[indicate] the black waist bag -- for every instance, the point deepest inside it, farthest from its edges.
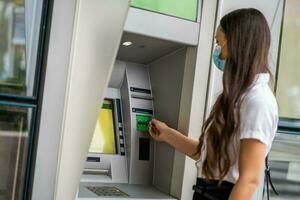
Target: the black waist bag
(211, 190)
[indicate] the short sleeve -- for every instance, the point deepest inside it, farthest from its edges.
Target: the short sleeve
(258, 119)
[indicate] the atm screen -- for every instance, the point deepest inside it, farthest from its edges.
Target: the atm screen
(104, 141)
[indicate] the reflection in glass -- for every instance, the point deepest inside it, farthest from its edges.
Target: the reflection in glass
(288, 85)
(14, 135)
(18, 43)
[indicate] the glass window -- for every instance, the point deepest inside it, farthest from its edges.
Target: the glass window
(284, 156)
(14, 140)
(186, 9)
(288, 83)
(20, 22)
(18, 45)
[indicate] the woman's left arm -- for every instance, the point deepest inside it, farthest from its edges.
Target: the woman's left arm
(251, 165)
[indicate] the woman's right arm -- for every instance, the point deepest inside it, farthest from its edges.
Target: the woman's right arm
(161, 132)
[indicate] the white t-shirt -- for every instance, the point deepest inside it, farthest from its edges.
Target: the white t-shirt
(259, 119)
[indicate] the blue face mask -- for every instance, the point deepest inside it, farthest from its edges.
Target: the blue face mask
(220, 63)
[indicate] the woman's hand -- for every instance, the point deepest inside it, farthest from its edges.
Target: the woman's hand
(163, 133)
(159, 130)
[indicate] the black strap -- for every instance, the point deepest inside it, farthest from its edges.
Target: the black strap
(268, 180)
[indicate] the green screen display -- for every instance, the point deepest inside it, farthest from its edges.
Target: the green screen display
(142, 122)
(186, 9)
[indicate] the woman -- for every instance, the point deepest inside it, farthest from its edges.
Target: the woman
(238, 134)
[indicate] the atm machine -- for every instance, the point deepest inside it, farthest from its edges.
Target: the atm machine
(123, 160)
(120, 161)
(153, 76)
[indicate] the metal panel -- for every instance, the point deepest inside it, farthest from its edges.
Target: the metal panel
(165, 27)
(167, 97)
(68, 85)
(197, 78)
(94, 48)
(53, 100)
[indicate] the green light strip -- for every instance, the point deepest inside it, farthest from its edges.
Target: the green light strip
(186, 9)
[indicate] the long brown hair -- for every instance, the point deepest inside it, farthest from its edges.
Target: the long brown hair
(248, 42)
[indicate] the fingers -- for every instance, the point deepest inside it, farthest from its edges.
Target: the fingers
(153, 121)
(156, 124)
(152, 130)
(151, 124)
(152, 133)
